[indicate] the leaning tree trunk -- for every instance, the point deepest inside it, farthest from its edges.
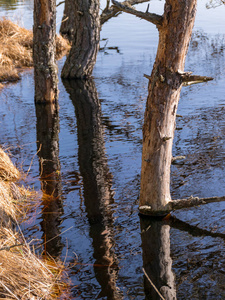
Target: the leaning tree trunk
(164, 91)
(82, 57)
(45, 69)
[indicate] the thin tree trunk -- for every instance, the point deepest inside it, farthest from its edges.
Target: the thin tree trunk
(164, 92)
(82, 57)
(52, 206)
(67, 27)
(45, 69)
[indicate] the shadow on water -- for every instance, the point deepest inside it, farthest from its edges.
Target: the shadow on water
(49, 168)
(160, 282)
(97, 183)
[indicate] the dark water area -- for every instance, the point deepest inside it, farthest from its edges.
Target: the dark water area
(90, 159)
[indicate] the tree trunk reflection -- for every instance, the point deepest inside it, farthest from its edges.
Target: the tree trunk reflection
(98, 193)
(49, 165)
(155, 236)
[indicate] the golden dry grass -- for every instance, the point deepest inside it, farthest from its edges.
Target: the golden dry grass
(7, 169)
(16, 49)
(22, 274)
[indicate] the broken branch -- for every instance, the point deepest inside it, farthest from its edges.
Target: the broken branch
(150, 17)
(189, 79)
(113, 11)
(179, 204)
(177, 158)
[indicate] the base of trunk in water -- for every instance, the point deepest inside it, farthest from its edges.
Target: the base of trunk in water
(147, 210)
(177, 204)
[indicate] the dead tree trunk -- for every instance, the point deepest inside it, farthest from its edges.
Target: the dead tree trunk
(82, 57)
(45, 69)
(175, 29)
(163, 96)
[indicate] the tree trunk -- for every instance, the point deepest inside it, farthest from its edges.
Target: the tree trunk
(45, 69)
(82, 57)
(164, 92)
(68, 21)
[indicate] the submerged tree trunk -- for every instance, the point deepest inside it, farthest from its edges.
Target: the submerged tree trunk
(45, 69)
(82, 57)
(163, 96)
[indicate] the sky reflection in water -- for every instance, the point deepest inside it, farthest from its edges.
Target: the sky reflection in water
(95, 159)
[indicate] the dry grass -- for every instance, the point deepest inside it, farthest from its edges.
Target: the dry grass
(22, 274)
(7, 169)
(16, 49)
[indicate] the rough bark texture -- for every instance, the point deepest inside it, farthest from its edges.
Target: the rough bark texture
(157, 262)
(82, 57)
(45, 69)
(67, 28)
(164, 92)
(52, 207)
(97, 183)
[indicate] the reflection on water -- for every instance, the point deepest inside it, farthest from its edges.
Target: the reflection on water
(49, 166)
(97, 185)
(157, 262)
(13, 4)
(106, 228)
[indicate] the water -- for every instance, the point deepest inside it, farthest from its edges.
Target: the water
(93, 159)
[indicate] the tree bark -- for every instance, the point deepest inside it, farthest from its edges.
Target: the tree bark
(163, 95)
(45, 69)
(67, 28)
(82, 57)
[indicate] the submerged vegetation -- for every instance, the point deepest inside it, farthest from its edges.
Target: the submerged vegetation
(16, 45)
(23, 274)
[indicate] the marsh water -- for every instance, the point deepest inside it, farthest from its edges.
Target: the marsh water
(90, 161)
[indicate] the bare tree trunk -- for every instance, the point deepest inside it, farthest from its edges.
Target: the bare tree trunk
(164, 92)
(45, 69)
(82, 57)
(67, 27)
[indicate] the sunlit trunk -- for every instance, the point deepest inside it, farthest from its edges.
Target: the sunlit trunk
(163, 96)
(45, 69)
